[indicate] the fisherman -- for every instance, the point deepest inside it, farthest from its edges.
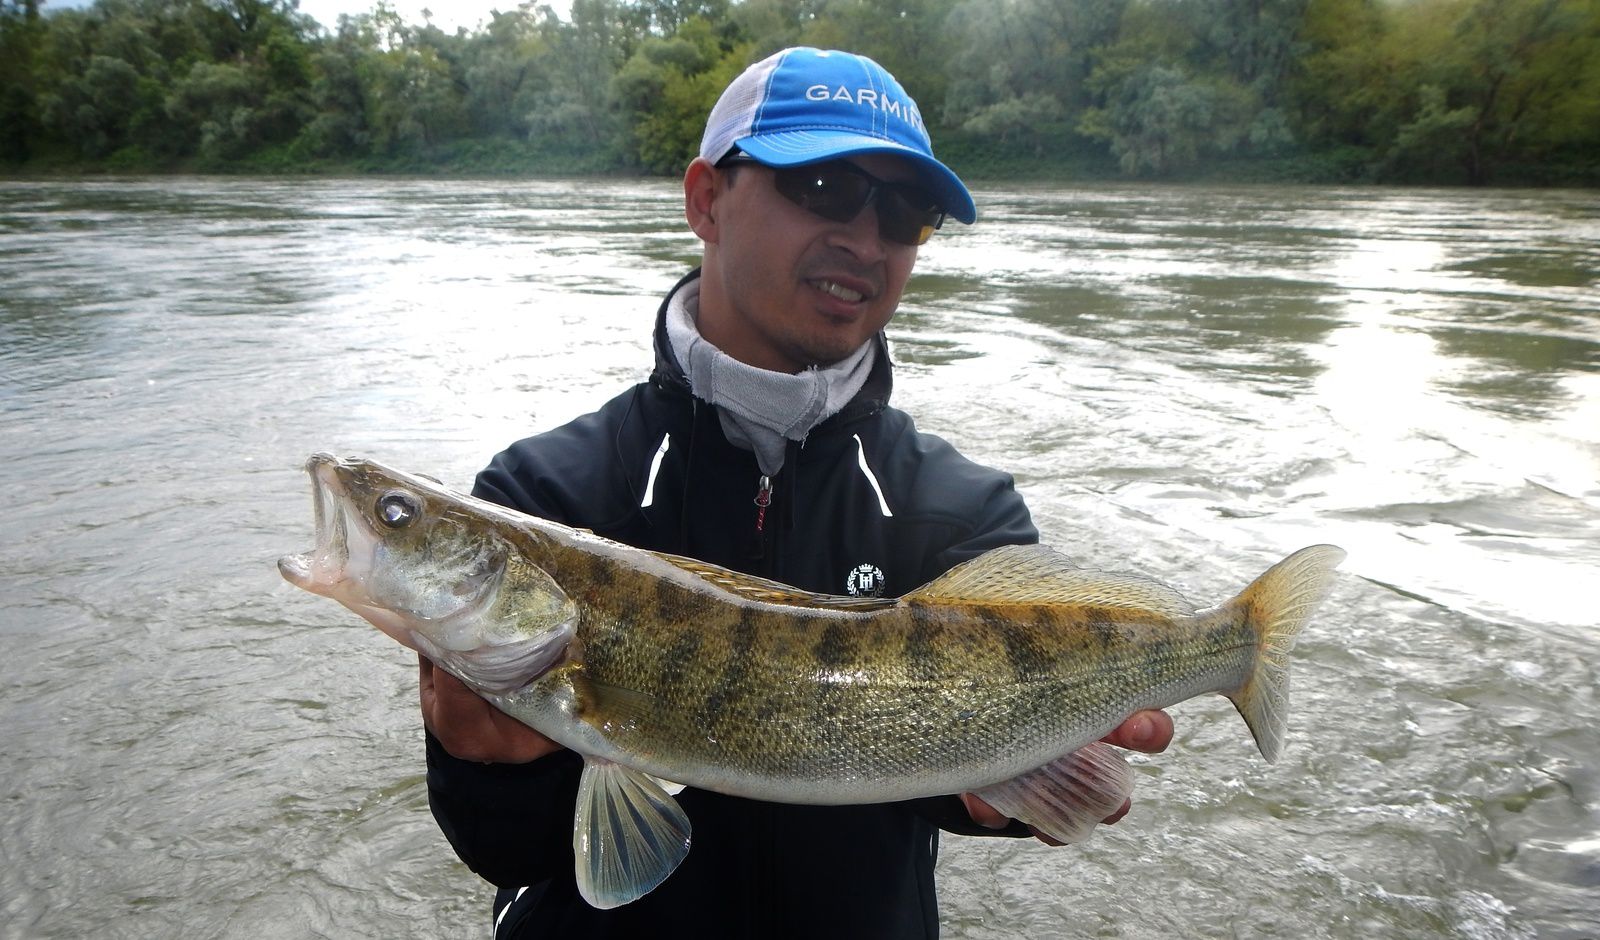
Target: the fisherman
(764, 442)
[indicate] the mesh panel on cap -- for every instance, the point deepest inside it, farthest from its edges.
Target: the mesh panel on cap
(735, 113)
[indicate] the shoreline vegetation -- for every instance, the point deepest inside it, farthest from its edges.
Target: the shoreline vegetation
(1422, 92)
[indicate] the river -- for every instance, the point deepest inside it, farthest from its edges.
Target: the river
(1186, 381)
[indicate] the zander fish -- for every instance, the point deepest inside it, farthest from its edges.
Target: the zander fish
(997, 678)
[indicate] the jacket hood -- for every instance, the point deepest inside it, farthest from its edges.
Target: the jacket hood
(669, 373)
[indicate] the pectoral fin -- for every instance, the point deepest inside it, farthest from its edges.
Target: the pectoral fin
(1066, 798)
(628, 835)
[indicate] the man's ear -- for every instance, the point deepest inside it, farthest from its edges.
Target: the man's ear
(700, 192)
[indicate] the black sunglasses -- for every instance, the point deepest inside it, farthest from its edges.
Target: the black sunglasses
(838, 191)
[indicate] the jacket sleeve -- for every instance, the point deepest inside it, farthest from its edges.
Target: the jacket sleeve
(510, 823)
(1003, 519)
(950, 814)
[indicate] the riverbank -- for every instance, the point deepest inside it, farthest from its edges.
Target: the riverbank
(973, 159)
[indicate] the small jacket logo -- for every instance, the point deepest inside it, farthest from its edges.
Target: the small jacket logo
(865, 581)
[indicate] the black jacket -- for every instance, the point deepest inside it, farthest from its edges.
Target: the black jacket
(866, 505)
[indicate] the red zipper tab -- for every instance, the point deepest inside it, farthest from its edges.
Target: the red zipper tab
(763, 500)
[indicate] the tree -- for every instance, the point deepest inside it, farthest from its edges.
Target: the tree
(338, 123)
(1025, 67)
(666, 90)
(19, 118)
(1342, 87)
(574, 113)
(504, 69)
(1437, 90)
(1517, 64)
(1159, 120)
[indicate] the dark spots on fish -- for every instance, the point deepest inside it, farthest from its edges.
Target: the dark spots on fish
(1226, 633)
(1103, 630)
(602, 585)
(680, 656)
(601, 576)
(835, 648)
(1027, 657)
(664, 596)
(1156, 655)
(921, 650)
(769, 711)
(1023, 652)
(731, 687)
(743, 639)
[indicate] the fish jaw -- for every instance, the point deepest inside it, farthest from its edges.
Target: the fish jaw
(327, 568)
(431, 575)
(346, 555)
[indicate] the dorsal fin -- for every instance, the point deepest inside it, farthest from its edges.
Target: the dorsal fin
(767, 591)
(1038, 574)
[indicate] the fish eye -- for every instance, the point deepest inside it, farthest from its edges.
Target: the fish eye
(397, 510)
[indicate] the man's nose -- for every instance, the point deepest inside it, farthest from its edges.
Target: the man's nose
(862, 236)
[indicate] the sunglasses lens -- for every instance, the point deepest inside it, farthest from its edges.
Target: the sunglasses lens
(838, 192)
(830, 191)
(908, 215)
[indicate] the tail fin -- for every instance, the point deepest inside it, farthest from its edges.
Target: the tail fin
(1276, 605)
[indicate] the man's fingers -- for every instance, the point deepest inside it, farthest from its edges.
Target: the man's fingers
(1148, 731)
(983, 814)
(469, 727)
(1047, 840)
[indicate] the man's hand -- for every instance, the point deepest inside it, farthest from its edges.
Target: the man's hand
(469, 727)
(1147, 731)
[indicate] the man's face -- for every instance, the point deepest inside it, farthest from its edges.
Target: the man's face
(784, 289)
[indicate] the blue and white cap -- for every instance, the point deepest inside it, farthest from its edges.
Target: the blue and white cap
(805, 105)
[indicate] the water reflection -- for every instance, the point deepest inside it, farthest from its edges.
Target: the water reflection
(1414, 374)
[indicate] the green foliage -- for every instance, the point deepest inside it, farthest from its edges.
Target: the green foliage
(1339, 90)
(1025, 66)
(1453, 90)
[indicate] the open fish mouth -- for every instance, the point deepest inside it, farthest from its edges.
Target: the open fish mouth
(326, 565)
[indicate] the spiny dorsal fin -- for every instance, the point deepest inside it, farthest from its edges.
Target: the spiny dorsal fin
(1038, 574)
(767, 591)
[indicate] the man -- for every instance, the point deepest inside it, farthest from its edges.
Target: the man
(763, 442)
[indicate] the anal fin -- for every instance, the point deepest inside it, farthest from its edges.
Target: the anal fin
(1068, 797)
(628, 834)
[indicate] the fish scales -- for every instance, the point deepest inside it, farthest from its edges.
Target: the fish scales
(892, 701)
(995, 678)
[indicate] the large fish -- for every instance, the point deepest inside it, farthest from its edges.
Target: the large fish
(996, 678)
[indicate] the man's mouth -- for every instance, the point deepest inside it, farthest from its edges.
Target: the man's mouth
(835, 289)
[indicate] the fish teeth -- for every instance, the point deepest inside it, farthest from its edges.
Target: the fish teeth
(840, 291)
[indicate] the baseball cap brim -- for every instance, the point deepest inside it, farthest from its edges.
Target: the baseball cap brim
(799, 147)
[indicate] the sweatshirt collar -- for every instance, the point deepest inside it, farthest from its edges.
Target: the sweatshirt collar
(873, 397)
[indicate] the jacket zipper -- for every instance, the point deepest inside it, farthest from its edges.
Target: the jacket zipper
(761, 535)
(764, 541)
(763, 500)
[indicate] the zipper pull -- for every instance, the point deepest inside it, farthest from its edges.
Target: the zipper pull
(763, 500)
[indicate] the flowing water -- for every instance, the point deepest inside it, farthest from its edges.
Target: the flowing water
(1188, 382)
